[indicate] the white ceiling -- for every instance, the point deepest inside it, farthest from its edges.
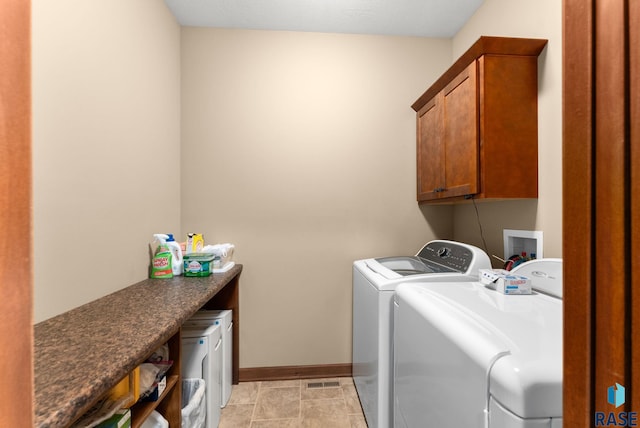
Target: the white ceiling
(426, 18)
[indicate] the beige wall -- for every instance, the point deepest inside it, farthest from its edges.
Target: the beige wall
(300, 149)
(106, 144)
(523, 18)
(297, 147)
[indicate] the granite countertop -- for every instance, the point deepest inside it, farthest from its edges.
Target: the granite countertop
(80, 354)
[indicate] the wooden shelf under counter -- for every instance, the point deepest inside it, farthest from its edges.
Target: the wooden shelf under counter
(81, 354)
(141, 411)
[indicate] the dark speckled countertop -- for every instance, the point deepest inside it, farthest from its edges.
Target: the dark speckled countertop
(80, 354)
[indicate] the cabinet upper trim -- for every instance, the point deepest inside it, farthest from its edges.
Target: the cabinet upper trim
(485, 45)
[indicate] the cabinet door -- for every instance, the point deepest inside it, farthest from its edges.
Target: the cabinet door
(430, 150)
(460, 116)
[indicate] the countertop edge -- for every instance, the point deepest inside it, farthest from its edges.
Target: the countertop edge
(70, 369)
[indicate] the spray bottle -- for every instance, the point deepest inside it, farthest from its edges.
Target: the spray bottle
(161, 262)
(176, 253)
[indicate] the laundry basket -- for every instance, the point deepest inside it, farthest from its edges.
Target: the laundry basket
(194, 410)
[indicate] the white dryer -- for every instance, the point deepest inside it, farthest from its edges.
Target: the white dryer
(374, 283)
(469, 356)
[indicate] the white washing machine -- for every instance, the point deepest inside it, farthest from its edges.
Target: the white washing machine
(202, 359)
(469, 356)
(374, 283)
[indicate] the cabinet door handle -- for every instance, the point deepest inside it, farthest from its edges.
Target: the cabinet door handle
(439, 189)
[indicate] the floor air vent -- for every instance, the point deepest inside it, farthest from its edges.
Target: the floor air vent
(323, 385)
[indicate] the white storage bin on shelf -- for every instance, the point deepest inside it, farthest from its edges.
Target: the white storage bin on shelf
(202, 359)
(224, 317)
(194, 405)
(155, 420)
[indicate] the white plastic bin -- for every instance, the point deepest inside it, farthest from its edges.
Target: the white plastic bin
(202, 359)
(225, 318)
(194, 409)
(155, 420)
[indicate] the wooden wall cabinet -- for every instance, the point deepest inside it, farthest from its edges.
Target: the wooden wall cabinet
(477, 125)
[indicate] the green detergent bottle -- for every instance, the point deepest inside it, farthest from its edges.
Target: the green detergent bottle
(161, 262)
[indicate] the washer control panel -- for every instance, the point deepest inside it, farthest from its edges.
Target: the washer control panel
(450, 255)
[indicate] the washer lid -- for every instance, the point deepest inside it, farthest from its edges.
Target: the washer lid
(437, 256)
(527, 377)
(406, 266)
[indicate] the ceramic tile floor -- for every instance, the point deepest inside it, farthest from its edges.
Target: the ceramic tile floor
(294, 404)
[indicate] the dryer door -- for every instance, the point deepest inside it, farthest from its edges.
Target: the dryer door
(499, 417)
(442, 356)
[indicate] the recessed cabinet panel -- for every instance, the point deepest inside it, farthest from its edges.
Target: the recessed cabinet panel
(477, 125)
(461, 135)
(509, 125)
(431, 153)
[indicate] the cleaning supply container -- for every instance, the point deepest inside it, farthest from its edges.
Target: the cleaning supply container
(198, 264)
(162, 259)
(176, 255)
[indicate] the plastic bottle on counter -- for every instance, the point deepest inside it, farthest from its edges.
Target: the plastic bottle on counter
(176, 255)
(161, 264)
